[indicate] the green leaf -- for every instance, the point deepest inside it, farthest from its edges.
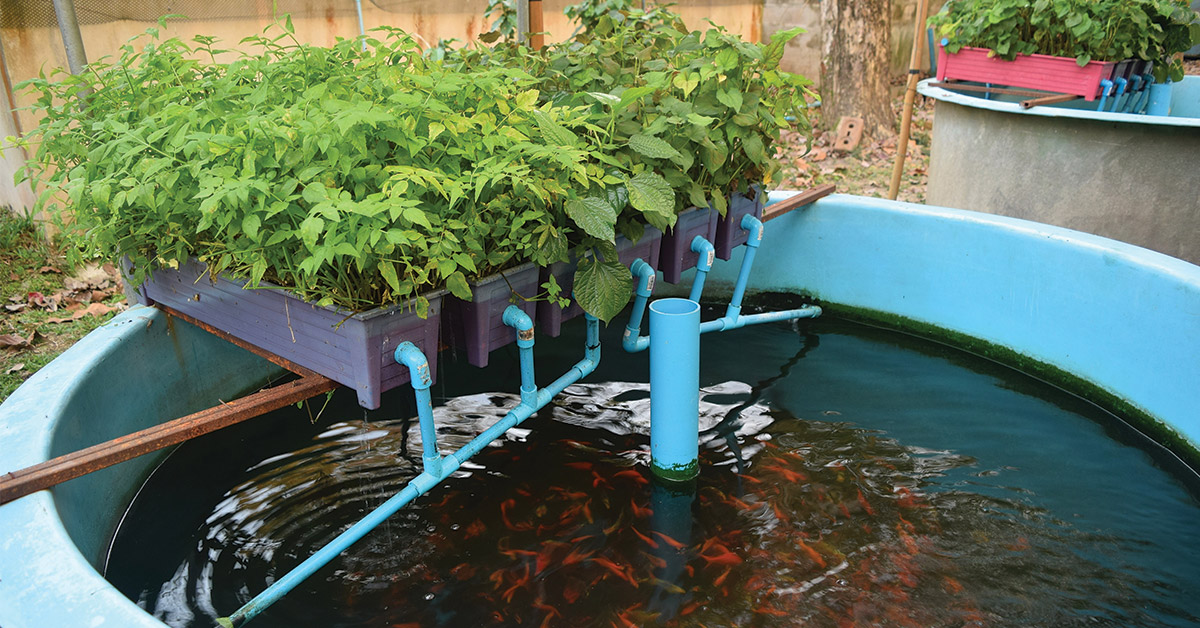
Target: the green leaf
(417, 217)
(607, 99)
(594, 215)
(700, 120)
(311, 229)
(721, 204)
(250, 225)
(388, 271)
(315, 192)
(617, 196)
(465, 261)
(526, 99)
(457, 284)
(773, 52)
(602, 289)
(727, 59)
(653, 147)
(633, 94)
(753, 146)
(553, 132)
(696, 195)
(650, 194)
(687, 82)
(731, 98)
(713, 155)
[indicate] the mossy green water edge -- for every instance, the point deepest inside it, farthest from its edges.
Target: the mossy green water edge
(1134, 417)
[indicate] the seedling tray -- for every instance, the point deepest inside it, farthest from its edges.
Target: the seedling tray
(353, 349)
(1044, 72)
(477, 326)
(729, 229)
(676, 254)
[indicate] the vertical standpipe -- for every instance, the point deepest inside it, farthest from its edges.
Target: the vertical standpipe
(674, 389)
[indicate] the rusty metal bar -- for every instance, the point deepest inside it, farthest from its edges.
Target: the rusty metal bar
(804, 198)
(70, 466)
(1047, 100)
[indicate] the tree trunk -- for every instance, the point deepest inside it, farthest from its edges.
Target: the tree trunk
(854, 64)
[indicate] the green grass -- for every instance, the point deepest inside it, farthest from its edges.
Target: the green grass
(24, 252)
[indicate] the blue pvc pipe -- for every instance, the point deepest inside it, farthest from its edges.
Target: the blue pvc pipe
(643, 287)
(706, 251)
(1135, 93)
(418, 369)
(516, 318)
(1106, 87)
(437, 468)
(733, 318)
(1147, 81)
(674, 389)
(1118, 92)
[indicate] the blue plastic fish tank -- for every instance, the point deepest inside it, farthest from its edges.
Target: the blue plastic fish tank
(835, 528)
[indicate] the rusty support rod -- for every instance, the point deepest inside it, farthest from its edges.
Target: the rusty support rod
(1048, 100)
(537, 37)
(70, 466)
(948, 84)
(800, 200)
(910, 95)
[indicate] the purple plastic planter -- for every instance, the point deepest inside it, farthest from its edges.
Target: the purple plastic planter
(352, 349)
(550, 316)
(477, 326)
(676, 254)
(729, 229)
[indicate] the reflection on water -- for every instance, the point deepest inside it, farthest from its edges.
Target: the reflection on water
(795, 520)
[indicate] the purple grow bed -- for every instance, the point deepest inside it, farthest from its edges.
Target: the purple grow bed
(550, 316)
(477, 326)
(352, 349)
(729, 229)
(676, 254)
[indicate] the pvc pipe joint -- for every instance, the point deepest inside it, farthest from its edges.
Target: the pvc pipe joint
(418, 366)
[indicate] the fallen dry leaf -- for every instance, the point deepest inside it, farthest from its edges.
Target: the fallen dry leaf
(49, 269)
(15, 342)
(14, 307)
(14, 368)
(95, 309)
(48, 303)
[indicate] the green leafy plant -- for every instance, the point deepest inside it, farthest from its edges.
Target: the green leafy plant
(1088, 30)
(352, 178)
(687, 117)
(365, 175)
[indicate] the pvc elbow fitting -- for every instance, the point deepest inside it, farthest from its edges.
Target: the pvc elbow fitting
(418, 367)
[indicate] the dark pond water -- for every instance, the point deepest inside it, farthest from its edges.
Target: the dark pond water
(850, 477)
